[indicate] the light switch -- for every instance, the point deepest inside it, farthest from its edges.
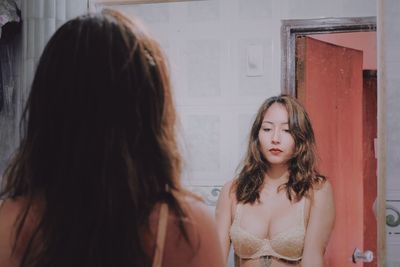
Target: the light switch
(254, 60)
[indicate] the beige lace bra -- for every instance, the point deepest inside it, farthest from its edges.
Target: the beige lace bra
(287, 245)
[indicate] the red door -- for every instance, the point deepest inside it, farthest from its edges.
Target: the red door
(329, 82)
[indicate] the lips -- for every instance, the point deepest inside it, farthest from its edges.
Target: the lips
(275, 151)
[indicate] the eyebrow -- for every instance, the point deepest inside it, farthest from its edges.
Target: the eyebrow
(270, 122)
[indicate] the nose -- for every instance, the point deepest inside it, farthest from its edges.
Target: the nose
(276, 137)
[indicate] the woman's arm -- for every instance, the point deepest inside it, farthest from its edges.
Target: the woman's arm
(320, 225)
(223, 215)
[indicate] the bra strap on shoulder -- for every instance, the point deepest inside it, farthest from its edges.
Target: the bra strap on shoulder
(302, 210)
(161, 233)
(238, 212)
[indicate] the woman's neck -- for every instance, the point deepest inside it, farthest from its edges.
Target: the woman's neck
(276, 176)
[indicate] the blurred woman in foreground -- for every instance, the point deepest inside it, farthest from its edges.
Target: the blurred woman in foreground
(95, 181)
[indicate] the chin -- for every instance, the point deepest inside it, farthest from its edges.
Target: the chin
(276, 162)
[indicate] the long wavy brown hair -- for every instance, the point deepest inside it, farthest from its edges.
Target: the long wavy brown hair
(303, 173)
(98, 148)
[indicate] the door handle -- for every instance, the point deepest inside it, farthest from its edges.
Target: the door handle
(359, 256)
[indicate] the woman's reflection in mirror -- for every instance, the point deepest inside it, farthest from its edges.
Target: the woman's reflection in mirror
(279, 210)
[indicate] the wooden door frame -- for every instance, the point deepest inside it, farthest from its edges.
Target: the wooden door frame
(290, 30)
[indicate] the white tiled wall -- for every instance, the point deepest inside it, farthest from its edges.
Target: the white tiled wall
(41, 19)
(389, 56)
(393, 259)
(206, 43)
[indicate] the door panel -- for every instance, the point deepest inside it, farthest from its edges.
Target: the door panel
(329, 82)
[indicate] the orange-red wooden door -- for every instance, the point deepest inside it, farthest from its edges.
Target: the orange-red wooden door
(329, 82)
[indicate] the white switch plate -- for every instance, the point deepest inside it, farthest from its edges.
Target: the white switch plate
(254, 60)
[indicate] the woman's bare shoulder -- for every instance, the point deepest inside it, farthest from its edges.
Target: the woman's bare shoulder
(322, 197)
(228, 190)
(318, 186)
(10, 209)
(229, 185)
(322, 189)
(194, 206)
(203, 246)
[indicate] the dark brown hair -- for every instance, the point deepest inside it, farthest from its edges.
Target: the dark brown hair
(302, 166)
(98, 145)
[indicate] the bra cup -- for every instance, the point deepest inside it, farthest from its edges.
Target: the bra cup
(286, 245)
(289, 244)
(244, 243)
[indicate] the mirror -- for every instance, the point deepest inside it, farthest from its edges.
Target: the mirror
(225, 59)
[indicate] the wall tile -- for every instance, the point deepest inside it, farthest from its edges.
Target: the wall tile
(39, 37)
(203, 11)
(49, 8)
(255, 9)
(61, 10)
(49, 28)
(30, 48)
(75, 8)
(393, 259)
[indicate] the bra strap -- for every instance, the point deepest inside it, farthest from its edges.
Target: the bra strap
(161, 233)
(301, 211)
(238, 213)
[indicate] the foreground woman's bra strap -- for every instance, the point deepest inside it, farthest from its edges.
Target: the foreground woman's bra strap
(161, 233)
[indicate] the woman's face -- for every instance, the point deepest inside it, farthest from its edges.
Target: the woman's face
(276, 142)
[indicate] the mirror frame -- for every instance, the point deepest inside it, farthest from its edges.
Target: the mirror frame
(290, 30)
